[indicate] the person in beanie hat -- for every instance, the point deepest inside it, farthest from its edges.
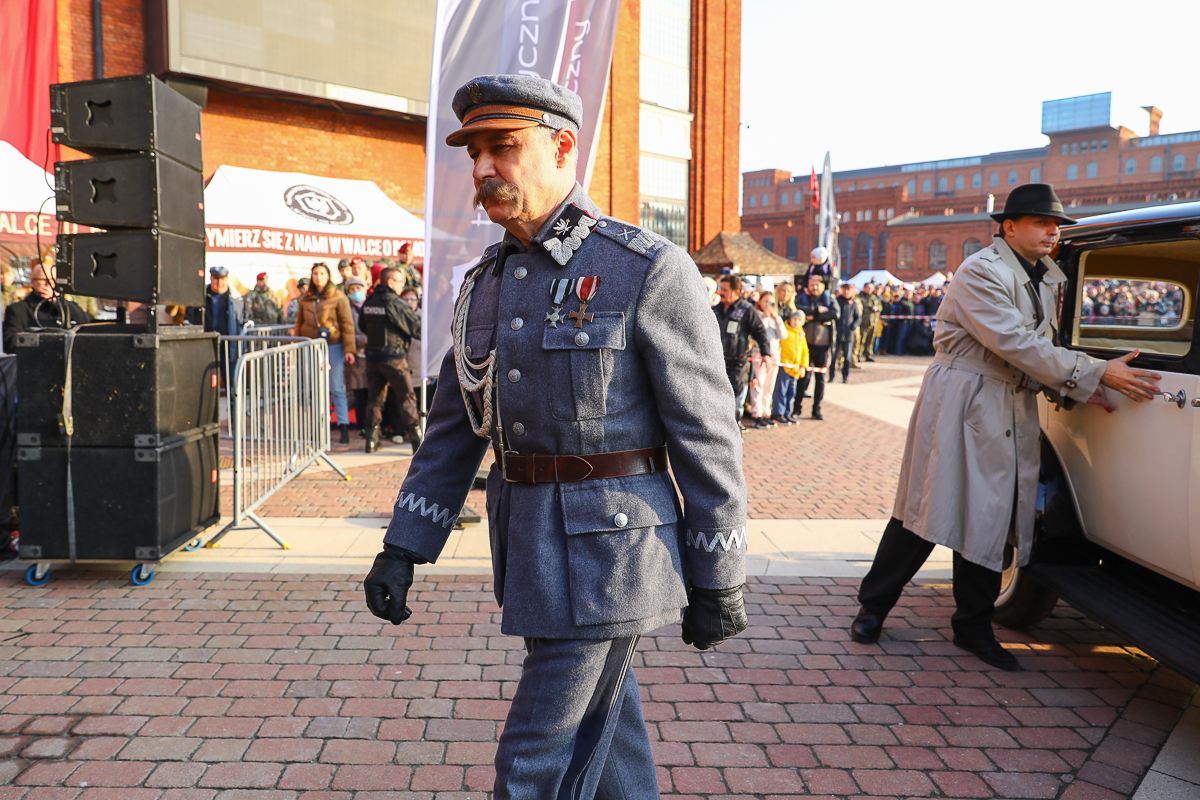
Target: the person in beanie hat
(583, 347)
(261, 304)
(969, 474)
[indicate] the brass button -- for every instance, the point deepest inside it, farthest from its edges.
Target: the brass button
(1008, 433)
(519, 273)
(620, 520)
(517, 324)
(582, 339)
(514, 375)
(518, 429)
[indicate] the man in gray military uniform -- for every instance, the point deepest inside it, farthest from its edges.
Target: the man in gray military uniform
(584, 353)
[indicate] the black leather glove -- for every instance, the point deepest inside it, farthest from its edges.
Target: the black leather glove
(712, 616)
(388, 582)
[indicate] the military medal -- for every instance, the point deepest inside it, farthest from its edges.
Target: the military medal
(560, 289)
(585, 290)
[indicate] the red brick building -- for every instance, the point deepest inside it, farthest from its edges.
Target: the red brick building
(921, 218)
(690, 136)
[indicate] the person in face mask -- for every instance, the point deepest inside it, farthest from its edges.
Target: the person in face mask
(356, 373)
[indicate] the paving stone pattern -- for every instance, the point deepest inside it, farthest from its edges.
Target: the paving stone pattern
(257, 687)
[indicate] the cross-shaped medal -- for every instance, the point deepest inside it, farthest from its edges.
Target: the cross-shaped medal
(581, 316)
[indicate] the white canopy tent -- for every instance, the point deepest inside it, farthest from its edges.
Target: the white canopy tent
(936, 279)
(282, 222)
(861, 279)
(26, 189)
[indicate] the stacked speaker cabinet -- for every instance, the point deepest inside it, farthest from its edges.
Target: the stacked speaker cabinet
(144, 188)
(117, 432)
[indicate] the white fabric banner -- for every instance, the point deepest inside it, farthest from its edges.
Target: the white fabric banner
(566, 41)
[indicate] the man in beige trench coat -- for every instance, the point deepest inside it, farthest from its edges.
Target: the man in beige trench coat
(969, 476)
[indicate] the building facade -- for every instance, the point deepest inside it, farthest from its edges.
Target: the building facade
(668, 149)
(917, 219)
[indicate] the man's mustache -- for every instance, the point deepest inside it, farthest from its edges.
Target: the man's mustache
(495, 189)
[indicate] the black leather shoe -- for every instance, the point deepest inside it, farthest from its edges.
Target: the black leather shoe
(990, 652)
(866, 627)
(817, 414)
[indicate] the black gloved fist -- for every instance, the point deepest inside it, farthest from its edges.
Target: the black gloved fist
(388, 582)
(712, 616)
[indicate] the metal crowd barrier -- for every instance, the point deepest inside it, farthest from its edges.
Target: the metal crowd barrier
(279, 419)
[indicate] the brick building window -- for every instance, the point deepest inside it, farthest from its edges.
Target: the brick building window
(958, 183)
(994, 179)
(942, 185)
(867, 215)
(796, 198)
(1074, 148)
(937, 255)
(904, 256)
(1178, 162)
(665, 64)
(883, 213)
(1072, 172)
(912, 186)
(844, 244)
(883, 243)
(1062, 149)
(977, 181)
(769, 243)
(1095, 146)
(926, 186)
(754, 201)
(1035, 175)
(793, 247)
(1104, 145)
(970, 246)
(1131, 166)
(863, 248)
(1012, 177)
(1156, 164)
(892, 211)
(664, 196)
(783, 199)
(766, 200)
(1093, 169)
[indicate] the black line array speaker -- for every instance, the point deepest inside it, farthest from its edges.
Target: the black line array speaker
(129, 114)
(131, 265)
(147, 180)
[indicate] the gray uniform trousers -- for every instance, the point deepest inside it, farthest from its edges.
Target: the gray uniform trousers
(575, 729)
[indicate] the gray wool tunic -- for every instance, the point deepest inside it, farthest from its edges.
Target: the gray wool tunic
(593, 558)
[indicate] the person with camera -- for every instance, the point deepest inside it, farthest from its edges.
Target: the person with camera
(391, 326)
(324, 313)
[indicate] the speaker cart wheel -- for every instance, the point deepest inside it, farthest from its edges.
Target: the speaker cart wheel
(38, 574)
(193, 545)
(142, 574)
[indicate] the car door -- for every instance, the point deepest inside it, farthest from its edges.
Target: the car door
(1133, 470)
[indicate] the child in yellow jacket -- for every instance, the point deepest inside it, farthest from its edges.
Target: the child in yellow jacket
(793, 362)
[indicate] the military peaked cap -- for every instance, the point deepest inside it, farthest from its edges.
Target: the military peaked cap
(510, 102)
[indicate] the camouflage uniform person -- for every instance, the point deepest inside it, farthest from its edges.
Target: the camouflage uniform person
(261, 305)
(872, 310)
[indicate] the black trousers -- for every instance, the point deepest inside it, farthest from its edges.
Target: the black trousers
(737, 372)
(901, 553)
(380, 376)
(818, 393)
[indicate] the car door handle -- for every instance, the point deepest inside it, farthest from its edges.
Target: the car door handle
(1178, 399)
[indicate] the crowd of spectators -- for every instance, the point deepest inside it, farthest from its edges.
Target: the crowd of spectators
(1122, 302)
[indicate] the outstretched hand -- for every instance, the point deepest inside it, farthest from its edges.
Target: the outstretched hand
(1128, 381)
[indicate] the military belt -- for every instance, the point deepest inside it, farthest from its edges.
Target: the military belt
(539, 468)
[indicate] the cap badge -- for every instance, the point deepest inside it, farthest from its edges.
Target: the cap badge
(560, 290)
(475, 93)
(575, 226)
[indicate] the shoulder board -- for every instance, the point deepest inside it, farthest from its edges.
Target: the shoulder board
(639, 240)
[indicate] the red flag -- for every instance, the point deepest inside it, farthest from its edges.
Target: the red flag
(814, 189)
(28, 65)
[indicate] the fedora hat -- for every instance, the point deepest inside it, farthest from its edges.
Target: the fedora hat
(1033, 200)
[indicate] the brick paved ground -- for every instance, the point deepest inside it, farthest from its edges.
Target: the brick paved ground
(281, 688)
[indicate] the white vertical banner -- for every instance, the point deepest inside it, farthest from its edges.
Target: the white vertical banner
(827, 224)
(567, 41)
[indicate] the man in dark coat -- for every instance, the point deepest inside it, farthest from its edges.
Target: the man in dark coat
(739, 324)
(848, 319)
(584, 351)
(390, 325)
(819, 306)
(40, 309)
(224, 309)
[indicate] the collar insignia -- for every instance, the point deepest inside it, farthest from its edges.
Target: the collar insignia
(573, 226)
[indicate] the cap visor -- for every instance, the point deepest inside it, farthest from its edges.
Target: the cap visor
(459, 137)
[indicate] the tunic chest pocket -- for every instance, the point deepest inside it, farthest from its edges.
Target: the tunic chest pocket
(587, 357)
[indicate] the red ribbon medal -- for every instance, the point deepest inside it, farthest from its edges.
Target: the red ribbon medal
(585, 290)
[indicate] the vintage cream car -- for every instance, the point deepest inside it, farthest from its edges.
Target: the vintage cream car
(1118, 533)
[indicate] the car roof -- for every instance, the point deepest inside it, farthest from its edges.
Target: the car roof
(1147, 216)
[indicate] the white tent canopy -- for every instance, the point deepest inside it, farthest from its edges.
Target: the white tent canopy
(936, 279)
(282, 222)
(861, 279)
(26, 189)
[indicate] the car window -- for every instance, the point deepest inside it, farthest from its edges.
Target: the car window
(1138, 296)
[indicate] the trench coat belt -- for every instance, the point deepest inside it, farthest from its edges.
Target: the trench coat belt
(1010, 375)
(539, 468)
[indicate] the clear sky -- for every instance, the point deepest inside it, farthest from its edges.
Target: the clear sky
(880, 82)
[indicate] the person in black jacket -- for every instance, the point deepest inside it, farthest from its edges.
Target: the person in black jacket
(390, 325)
(739, 323)
(40, 309)
(848, 319)
(818, 305)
